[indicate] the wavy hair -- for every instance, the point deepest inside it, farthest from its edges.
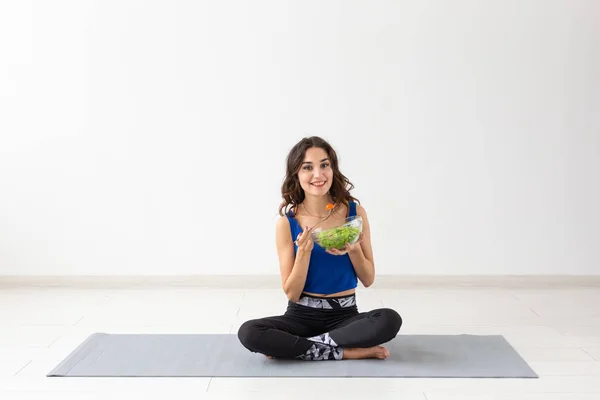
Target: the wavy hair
(291, 191)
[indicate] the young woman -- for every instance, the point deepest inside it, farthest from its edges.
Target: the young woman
(322, 321)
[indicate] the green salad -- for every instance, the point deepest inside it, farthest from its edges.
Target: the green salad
(336, 238)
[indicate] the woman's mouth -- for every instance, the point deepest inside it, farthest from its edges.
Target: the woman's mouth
(318, 184)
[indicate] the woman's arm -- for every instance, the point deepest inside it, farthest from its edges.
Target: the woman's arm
(293, 267)
(294, 284)
(362, 255)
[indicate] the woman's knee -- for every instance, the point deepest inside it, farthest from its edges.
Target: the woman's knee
(248, 333)
(392, 321)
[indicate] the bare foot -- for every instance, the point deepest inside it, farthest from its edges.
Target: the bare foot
(268, 356)
(370, 352)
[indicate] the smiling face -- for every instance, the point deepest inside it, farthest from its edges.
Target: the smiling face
(315, 174)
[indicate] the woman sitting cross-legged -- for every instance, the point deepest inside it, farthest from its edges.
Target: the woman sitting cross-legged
(322, 321)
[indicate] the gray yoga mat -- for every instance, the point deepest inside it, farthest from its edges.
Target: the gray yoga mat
(411, 356)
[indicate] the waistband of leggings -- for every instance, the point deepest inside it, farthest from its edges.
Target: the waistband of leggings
(335, 302)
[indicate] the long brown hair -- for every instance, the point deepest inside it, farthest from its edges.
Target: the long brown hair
(291, 191)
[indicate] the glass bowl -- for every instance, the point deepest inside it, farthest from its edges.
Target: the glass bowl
(338, 236)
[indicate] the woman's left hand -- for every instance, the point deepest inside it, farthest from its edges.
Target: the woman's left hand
(350, 248)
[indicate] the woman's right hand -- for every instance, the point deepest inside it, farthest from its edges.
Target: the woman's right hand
(304, 241)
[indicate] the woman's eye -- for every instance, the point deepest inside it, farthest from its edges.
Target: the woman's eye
(307, 167)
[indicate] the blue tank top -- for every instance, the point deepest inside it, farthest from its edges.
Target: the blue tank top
(326, 273)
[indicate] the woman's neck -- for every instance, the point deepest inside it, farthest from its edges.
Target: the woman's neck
(316, 206)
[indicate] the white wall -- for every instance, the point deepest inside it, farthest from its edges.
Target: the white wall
(143, 137)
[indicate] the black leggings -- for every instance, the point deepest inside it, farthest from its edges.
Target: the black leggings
(317, 328)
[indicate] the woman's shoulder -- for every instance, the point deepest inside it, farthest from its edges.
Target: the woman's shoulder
(359, 209)
(282, 230)
(284, 222)
(356, 206)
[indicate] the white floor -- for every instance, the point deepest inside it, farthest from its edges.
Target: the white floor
(556, 331)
